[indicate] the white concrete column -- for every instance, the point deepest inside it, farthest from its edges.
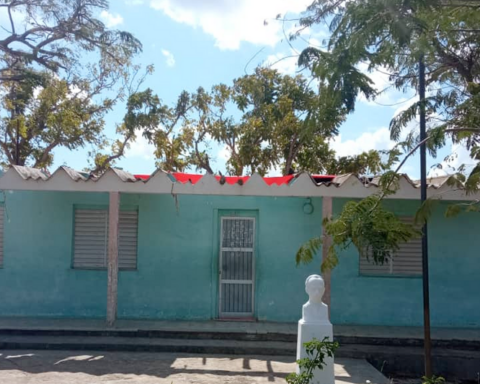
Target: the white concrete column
(315, 325)
(113, 218)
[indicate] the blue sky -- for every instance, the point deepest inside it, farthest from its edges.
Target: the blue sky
(201, 43)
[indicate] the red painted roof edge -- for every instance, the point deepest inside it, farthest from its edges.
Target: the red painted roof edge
(269, 180)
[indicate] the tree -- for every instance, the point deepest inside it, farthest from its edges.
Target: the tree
(264, 120)
(42, 115)
(61, 71)
(56, 35)
(170, 129)
(287, 114)
(392, 36)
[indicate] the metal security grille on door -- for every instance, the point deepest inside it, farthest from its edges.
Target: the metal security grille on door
(237, 266)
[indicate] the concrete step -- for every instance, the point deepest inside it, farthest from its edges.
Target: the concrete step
(464, 339)
(200, 334)
(221, 346)
(143, 344)
(146, 344)
(467, 345)
(238, 335)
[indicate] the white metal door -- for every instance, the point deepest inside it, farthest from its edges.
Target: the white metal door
(237, 267)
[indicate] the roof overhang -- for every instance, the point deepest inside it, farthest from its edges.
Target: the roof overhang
(114, 180)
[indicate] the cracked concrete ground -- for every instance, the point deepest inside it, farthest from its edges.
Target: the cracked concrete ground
(81, 367)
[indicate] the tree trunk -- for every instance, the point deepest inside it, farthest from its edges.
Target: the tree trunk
(17, 144)
(292, 153)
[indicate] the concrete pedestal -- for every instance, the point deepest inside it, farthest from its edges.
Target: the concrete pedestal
(308, 332)
(315, 325)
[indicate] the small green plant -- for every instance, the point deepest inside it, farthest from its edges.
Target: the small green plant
(433, 380)
(316, 351)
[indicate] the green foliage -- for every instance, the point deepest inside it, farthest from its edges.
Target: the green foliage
(61, 71)
(433, 380)
(366, 163)
(425, 211)
(452, 210)
(307, 251)
(285, 122)
(317, 351)
(345, 83)
(144, 114)
(263, 120)
(392, 36)
(56, 35)
(46, 113)
(375, 231)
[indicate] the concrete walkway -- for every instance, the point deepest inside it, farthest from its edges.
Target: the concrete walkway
(235, 326)
(66, 367)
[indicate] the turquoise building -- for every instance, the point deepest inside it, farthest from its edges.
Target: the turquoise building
(198, 248)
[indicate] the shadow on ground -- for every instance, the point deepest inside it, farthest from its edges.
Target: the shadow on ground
(161, 365)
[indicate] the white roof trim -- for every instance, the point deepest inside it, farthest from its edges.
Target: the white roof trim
(114, 180)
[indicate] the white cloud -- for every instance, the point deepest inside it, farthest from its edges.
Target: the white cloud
(275, 171)
(379, 139)
(315, 43)
(37, 90)
(110, 19)
(231, 22)
(74, 92)
(388, 94)
(224, 154)
(169, 58)
(459, 155)
(283, 63)
(141, 148)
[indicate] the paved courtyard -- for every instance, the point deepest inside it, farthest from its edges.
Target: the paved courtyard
(75, 367)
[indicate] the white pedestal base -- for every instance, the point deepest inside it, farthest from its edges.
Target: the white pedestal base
(307, 331)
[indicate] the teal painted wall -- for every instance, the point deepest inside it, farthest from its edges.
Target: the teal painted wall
(454, 257)
(177, 269)
(177, 263)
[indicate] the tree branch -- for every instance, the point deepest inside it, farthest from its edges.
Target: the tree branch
(120, 153)
(402, 163)
(40, 162)
(7, 152)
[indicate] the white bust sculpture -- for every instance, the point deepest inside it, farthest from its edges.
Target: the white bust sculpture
(315, 311)
(315, 325)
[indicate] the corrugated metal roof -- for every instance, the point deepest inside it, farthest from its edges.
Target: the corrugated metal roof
(30, 173)
(75, 175)
(114, 179)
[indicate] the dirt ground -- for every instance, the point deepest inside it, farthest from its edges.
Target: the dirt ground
(78, 367)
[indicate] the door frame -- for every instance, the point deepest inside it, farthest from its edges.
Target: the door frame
(237, 214)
